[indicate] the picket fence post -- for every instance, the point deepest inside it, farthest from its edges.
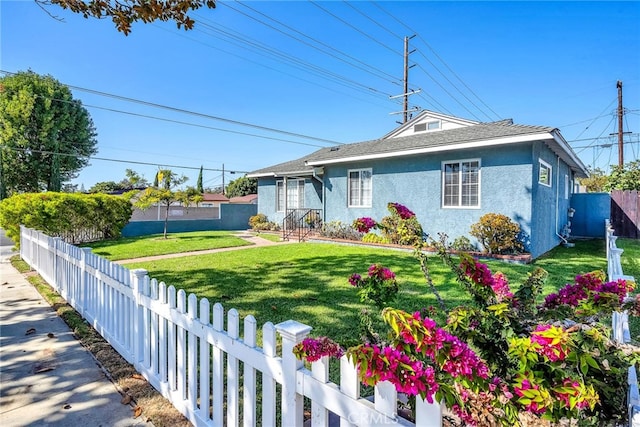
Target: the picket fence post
(83, 280)
(292, 333)
(137, 277)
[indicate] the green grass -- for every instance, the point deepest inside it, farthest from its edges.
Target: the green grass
(307, 282)
(156, 244)
(269, 236)
(630, 258)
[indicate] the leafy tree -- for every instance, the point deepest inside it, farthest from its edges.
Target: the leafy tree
(199, 184)
(626, 177)
(46, 136)
(133, 180)
(165, 194)
(242, 187)
(125, 12)
(105, 187)
(595, 182)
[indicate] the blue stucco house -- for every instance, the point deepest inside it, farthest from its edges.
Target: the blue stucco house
(449, 171)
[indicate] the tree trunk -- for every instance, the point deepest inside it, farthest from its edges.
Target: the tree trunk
(166, 219)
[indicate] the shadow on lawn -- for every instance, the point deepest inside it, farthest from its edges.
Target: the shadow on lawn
(314, 291)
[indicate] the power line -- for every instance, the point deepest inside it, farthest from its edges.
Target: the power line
(193, 113)
(182, 123)
(367, 67)
(29, 150)
(439, 58)
(599, 115)
(354, 28)
(294, 76)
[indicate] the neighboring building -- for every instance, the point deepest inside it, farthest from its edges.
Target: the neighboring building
(249, 198)
(449, 171)
(212, 200)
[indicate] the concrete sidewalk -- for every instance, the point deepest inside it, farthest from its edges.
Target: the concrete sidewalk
(47, 378)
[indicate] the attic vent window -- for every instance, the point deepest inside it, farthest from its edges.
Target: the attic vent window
(334, 148)
(433, 125)
(420, 127)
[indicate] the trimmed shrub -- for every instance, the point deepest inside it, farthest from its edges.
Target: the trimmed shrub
(339, 230)
(76, 218)
(497, 234)
(260, 222)
(374, 238)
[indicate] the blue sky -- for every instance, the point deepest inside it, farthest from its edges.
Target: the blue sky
(273, 81)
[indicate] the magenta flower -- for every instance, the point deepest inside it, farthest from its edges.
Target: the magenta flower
(364, 224)
(402, 211)
(312, 349)
(355, 279)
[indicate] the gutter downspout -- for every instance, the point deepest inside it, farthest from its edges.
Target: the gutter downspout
(324, 193)
(565, 241)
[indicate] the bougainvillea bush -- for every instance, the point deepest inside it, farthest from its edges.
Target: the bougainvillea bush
(505, 356)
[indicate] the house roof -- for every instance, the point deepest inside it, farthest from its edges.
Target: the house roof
(244, 199)
(470, 136)
(214, 197)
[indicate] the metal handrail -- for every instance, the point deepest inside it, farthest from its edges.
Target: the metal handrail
(301, 222)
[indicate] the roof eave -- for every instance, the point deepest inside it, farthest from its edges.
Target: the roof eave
(306, 172)
(439, 148)
(579, 168)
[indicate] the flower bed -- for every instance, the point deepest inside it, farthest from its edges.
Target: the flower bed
(504, 359)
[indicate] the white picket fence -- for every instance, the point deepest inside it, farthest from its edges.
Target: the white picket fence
(620, 321)
(214, 376)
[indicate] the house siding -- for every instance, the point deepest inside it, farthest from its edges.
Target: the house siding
(508, 185)
(546, 224)
(417, 183)
(267, 197)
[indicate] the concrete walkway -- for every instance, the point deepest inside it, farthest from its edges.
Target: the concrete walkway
(254, 240)
(47, 378)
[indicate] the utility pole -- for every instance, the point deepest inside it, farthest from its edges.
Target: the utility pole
(405, 105)
(223, 179)
(620, 129)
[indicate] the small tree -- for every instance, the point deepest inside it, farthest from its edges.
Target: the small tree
(165, 193)
(625, 177)
(595, 182)
(199, 183)
(105, 187)
(133, 180)
(241, 187)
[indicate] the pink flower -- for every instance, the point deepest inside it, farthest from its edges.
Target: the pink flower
(312, 349)
(500, 287)
(355, 279)
(402, 211)
(364, 224)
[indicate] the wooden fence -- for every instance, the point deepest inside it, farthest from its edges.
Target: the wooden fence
(620, 321)
(625, 213)
(214, 375)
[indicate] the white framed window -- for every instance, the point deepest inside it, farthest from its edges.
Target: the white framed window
(461, 184)
(566, 187)
(359, 188)
(295, 194)
(544, 173)
(433, 125)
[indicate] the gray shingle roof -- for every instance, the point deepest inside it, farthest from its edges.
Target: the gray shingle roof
(446, 138)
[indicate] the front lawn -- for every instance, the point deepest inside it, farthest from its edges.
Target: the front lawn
(307, 282)
(156, 244)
